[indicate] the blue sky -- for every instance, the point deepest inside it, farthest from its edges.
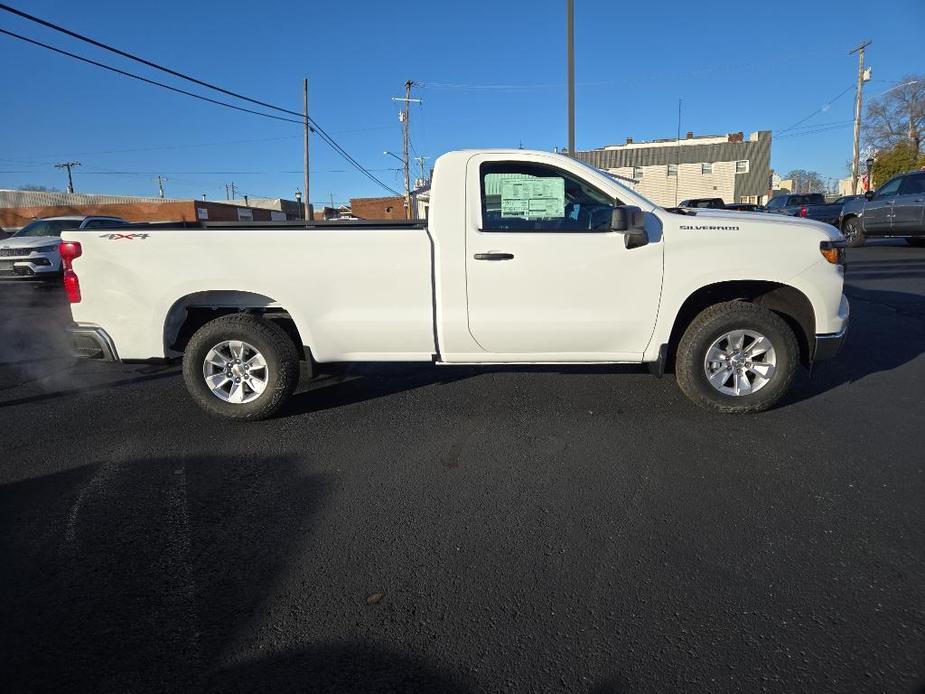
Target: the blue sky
(493, 75)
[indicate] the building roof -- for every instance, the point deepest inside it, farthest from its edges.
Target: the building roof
(43, 198)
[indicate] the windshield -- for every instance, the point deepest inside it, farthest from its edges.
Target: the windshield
(47, 227)
(628, 194)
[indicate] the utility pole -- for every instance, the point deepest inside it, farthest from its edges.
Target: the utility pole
(855, 161)
(677, 157)
(404, 117)
(68, 165)
(570, 28)
(420, 161)
(308, 206)
(160, 184)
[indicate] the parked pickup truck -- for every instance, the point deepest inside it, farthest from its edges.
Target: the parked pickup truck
(527, 258)
(806, 205)
(896, 209)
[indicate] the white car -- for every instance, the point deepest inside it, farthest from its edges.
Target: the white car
(526, 258)
(33, 250)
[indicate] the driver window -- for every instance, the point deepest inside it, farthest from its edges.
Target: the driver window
(519, 196)
(890, 188)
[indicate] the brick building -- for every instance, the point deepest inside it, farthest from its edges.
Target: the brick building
(18, 208)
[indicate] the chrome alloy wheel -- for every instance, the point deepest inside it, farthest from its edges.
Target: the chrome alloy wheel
(851, 230)
(235, 372)
(740, 362)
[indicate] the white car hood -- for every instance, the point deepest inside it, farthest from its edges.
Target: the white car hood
(30, 242)
(707, 216)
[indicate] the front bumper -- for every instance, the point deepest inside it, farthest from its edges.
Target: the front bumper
(29, 266)
(92, 342)
(828, 346)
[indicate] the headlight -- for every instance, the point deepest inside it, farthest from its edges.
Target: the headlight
(44, 249)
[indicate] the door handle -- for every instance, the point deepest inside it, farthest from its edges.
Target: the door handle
(494, 256)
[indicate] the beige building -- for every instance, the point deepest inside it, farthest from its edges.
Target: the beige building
(729, 166)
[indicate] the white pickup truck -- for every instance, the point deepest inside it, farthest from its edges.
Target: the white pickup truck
(527, 258)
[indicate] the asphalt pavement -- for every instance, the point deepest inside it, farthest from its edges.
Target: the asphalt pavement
(404, 528)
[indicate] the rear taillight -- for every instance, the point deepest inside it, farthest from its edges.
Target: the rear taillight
(802, 211)
(70, 250)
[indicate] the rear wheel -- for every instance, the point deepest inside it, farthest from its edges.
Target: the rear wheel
(241, 367)
(737, 357)
(919, 242)
(853, 232)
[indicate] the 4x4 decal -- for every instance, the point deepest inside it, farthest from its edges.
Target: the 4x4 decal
(129, 237)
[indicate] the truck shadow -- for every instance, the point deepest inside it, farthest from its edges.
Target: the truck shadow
(887, 331)
(340, 385)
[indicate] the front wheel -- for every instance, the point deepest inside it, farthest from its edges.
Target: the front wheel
(737, 357)
(241, 367)
(853, 232)
(917, 242)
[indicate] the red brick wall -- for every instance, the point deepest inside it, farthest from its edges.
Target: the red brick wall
(180, 211)
(378, 208)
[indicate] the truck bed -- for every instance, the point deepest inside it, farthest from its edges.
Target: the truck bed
(384, 224)
(360, 291)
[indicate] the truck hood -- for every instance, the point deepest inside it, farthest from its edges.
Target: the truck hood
(29, 242)
(759, 220)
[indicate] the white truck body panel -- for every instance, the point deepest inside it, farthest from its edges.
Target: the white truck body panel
(404, 294)
(354, 295)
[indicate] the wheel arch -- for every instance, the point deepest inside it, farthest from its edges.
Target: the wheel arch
(786, 301)
(189, 313)
(848, 216)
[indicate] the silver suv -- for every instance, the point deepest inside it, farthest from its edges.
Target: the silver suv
(33, 250)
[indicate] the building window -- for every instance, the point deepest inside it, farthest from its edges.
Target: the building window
(672, 169)
(742, 167)
(637, 172)
(706, 168)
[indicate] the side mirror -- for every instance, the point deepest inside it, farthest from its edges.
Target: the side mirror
(631, 222)
(870, 194)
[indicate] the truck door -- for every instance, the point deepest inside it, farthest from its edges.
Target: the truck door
(546, 278)
(909, 205)
(878, 212)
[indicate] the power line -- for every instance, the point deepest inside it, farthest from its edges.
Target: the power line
(143, 79)
(130, 56)
(820, 109)
(315, 127)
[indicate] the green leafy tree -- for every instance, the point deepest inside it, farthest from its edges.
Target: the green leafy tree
(901, 157)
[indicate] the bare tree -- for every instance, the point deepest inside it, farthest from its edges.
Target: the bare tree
(39, 189)
(806, 181)
(898, 114)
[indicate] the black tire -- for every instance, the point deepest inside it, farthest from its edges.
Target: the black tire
(853, 232)
(918, 243)
(277, 348)
(708, 327)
